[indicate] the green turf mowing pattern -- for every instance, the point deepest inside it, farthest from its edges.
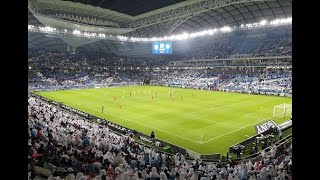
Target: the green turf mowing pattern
(205, 122)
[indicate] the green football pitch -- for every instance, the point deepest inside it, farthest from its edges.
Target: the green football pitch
(205, 122)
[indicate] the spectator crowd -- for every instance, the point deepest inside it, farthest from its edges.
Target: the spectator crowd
(63, 145)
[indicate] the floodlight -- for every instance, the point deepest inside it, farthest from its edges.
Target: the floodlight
(263, 22)
(76, 32)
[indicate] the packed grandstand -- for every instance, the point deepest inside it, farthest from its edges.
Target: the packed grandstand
(253, 56)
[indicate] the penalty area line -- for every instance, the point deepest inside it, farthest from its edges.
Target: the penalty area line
(236, 130)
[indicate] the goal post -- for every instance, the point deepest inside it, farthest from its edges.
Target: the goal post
(282, 110)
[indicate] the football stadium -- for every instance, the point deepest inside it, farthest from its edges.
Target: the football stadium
(175, 89)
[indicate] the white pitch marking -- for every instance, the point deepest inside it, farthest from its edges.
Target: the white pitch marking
(256, 112)
(236, 129)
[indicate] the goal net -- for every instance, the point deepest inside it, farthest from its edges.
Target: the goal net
(282, 110)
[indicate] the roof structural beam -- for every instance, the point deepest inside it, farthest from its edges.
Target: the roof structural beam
(173, 24)
(53, 7)
(261, 10)
(274, 15)
(34, 7)
(281, 6)
(245, 20)
(235, 21)
(188, 10)
(254, 17)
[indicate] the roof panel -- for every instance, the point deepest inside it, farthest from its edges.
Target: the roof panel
(234, 13)
(277, 10)
(285, 3)
(263, 6)
(273, 4)
(253, 7)
(266, 12)
(259, 13)
(229, 8)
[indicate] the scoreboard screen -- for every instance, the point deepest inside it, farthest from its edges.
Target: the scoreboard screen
(162, 47)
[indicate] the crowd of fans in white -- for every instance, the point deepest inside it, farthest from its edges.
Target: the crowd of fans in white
(185, 78)
(266, 81)
(269, 80)
(63, 145)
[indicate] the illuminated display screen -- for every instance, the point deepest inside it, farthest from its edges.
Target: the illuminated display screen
(162, 48)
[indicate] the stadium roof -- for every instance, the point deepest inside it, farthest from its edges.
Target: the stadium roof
(159, 18)
(129, 7)
(32, 20)
(226, 15)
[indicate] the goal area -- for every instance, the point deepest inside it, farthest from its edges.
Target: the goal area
(282, 110)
